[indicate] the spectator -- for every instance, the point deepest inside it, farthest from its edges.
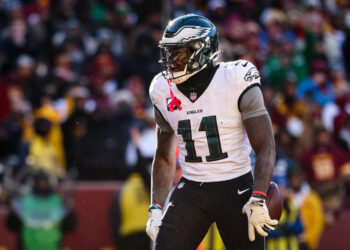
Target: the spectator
(342, 113)
(323, 161)
(287, 66)
(323, 164)
(62, 74)
(340, 83)
(311, 211)
(102, 74)
(10, 136)
(318, 86)
(129, 211)
(49, 111)
(77, 124)
(23, 76)
(137, 88)
(285, 154)
(42, 153)
(289, 109)
(15, 43)
(40, 217)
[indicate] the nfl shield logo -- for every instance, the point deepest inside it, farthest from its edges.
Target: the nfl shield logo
(193, 96)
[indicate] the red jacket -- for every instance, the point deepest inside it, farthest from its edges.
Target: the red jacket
(322, 165)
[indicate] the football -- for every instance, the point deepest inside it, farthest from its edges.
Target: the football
(274, 201)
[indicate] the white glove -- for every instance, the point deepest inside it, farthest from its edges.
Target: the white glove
(258, 217)
(153, 223)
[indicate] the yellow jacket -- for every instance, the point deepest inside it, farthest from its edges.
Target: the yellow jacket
(313, 218)
(55, 137)
(134, 202)
(282, 240)
(43, 155)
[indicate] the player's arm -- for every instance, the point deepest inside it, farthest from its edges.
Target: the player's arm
(260, 134)
(163, 171)
(163, 168)
(259, 130)
(258, 126)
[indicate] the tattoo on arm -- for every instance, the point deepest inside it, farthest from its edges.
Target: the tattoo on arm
(260, 134)
(163, 168)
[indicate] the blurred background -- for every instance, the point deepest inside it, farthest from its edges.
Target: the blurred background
(77, 131)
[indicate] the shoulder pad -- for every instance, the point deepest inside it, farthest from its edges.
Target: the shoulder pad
(247, 72)
(157, 88)
(242, 73)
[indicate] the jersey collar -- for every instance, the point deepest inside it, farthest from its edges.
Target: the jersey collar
(195, 86)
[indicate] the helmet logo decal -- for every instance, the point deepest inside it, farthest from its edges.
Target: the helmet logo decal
(186, 33)
(252, 74)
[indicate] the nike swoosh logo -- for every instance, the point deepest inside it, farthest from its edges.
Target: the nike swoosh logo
(243, 191)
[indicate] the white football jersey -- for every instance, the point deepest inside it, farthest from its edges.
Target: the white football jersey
(210, 133)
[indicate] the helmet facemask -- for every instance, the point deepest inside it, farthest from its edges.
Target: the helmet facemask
(181, 61)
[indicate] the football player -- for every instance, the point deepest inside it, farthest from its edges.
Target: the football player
(216, 113)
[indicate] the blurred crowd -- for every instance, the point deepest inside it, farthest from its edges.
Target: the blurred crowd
(74, 79)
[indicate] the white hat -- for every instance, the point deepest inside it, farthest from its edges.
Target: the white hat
(25, 61)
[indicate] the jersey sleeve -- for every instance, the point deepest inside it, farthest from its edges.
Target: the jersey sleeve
(244, 76)
(252, 104)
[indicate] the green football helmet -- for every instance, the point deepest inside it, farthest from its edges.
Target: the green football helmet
(188, 44)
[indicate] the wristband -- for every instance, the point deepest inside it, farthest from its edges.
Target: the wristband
(156, 206)
(259, 194)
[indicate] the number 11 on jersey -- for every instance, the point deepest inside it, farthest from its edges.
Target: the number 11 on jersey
(208, 125)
